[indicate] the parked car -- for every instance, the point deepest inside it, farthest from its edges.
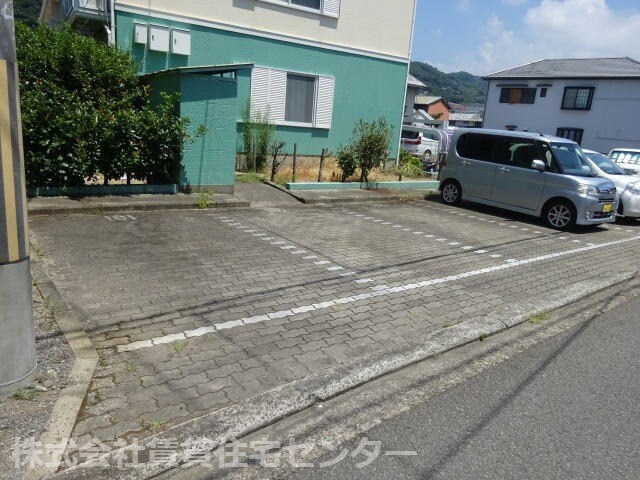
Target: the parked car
(627, 158)
(628, 186)
(423, 143)
(530, 173)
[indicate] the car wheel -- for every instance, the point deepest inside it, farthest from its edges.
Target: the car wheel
(559, 214)
(451, 192)
(620, 209)
(426, 156)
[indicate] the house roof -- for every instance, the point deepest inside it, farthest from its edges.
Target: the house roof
(465, 116)
(429, 100)
(414, 82)
(622, 67)
(205, 69)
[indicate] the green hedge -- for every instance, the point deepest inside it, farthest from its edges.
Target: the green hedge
(85, 112)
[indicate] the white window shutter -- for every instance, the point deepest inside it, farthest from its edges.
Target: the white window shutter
(277, 95)
(324, 102)
(259, 91)
(331, 8)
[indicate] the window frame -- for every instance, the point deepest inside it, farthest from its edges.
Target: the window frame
(533, 90)
(288, 4)
(578, 131)
(574, 107)
(313, 106)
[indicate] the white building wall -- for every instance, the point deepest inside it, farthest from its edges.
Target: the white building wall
(611, 122)
(375, 26)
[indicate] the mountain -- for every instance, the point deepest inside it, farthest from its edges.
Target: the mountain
(458, 87)
(27, 11)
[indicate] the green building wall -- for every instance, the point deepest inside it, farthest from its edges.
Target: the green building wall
(365, 87)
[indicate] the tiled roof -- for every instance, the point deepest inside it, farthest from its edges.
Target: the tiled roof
(623, 67)
(465, 117)
(414, 82)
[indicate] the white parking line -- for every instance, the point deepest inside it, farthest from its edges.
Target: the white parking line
(359, 297)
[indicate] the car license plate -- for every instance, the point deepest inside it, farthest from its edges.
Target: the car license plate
(607, 207)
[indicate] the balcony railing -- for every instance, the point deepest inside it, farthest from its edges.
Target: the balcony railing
(88, 9)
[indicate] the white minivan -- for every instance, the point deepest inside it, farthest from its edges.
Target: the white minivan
(627, 158)
(421, 143)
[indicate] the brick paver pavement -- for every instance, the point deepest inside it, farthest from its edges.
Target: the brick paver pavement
(194, 310)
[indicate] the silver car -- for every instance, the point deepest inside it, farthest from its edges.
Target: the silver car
(531, 173)
(628, 185)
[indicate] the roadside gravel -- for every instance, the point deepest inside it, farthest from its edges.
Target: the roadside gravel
(22, 417)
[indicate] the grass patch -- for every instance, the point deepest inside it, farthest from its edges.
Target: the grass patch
(177, 347)
(129, 368)
(249, 177)
(538, 318)
(447, 325)
(25, 394)
(202, 199)
(482, 337)
(156, 424)
(35, 248)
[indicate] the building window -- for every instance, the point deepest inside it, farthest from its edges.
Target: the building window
(291, 98)
(577, 98)
(574, 134)
(543, 92)
(300, 95)
(315, 4)
(518, 95)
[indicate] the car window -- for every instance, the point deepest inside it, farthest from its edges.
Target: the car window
(572, 161)
(410, 134)
(548, 158)
(489, 148)
(605, 164)
(521, 153)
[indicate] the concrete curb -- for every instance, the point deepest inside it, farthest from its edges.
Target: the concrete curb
(269, 407)
(387, 197)
(66, 409)
(131, 207)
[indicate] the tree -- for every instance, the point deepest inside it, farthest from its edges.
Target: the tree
(85, 112)
(370, 144)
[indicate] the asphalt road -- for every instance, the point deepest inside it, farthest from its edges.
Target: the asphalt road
(568, 408)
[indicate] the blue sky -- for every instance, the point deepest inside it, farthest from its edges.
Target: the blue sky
(483, 36)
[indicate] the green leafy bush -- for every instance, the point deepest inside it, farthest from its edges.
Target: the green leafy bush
(258, 134)
(85, 113)
(347, 162)
(370, 145)
(408, 166)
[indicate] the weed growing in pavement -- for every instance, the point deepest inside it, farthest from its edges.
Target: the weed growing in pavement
(25, 394)
(129, 368)
(156, 424)
(447, 325)
(482, 336)
(249, 177)
(202, 199)
(538, 318)
(177, 347)
(100, 207)
(436, 356)
(35, 248)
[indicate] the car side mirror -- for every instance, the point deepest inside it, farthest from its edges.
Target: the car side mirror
(538, 165)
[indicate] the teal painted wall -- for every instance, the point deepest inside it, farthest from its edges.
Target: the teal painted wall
(365, 87)
(209, 101)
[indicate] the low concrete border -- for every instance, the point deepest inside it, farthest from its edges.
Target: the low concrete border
(66, 409)
(415, 185)
(98, 190)
(269, 407)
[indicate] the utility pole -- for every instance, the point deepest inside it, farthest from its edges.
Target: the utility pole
(17, 338)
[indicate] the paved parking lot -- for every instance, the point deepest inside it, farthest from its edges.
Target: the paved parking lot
(195, 310)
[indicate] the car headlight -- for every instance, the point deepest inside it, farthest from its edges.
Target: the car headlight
(585, 189)
(634, 188)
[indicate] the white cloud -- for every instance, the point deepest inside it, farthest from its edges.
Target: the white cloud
(514, 2)
(554, 29)
(464, 6)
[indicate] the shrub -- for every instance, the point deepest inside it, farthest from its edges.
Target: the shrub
(86, 113)
(408, 165)
(370, 145)
(258, 133)
(347, 162)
